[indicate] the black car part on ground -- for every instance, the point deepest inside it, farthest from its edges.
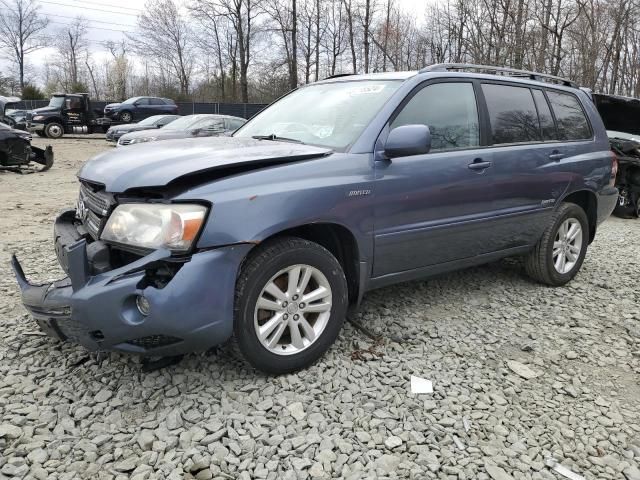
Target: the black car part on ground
(621, 117)
(17, 153)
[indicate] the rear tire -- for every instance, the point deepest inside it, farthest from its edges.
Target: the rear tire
(276, 329)
(558, 255)
(54, 130)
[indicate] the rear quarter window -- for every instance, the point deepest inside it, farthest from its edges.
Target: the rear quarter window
(570, 119)
(512, 114)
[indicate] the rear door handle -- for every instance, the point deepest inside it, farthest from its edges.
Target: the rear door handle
(555, 156)
(478, 164)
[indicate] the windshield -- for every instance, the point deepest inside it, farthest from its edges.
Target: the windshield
(56, 102)
(329, 114)
(130, 100)
(186, 123)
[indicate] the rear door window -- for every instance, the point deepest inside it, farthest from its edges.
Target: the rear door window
(450, 112)
(512, 114)
(155, 101)
(547, 126)
(570, 119)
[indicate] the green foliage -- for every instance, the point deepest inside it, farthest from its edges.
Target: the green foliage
(31, 92)
(78, 87)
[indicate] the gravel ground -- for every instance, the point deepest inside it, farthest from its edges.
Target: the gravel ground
(521, 373)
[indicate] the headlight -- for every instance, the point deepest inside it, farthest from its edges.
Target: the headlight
(143, 139)
(38, 117)
(147, 225)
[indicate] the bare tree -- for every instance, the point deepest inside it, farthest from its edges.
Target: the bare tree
(164, 35)
(21, 27)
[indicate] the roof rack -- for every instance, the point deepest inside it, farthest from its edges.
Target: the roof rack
(492, 70)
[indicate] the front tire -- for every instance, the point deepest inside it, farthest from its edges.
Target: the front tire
(558, 255)
(54, 130)
(126, 117)
(291, 300)
(40, 134)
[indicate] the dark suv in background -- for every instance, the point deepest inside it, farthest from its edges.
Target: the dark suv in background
(338, 188)
(138, 108)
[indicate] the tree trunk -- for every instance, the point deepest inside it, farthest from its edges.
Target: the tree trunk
(367, 44)
(293, 76)
(317, 39)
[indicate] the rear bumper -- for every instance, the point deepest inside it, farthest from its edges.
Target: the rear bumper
(607, 199)
(190, 313)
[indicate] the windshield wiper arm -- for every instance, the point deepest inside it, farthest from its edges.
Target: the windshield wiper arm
(274, 138)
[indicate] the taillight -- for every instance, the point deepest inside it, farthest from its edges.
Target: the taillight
(614, 169)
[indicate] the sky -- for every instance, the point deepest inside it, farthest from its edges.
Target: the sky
(110, 20)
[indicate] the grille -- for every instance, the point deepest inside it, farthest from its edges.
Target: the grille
(154, 341)
(93, 208)
(97, 201)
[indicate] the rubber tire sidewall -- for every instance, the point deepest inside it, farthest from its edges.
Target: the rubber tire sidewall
(126, 113)
(48, 126)
(571, 211)
(244, 330)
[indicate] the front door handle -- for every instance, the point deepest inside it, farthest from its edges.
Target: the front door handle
(555, 156)
(478, 164)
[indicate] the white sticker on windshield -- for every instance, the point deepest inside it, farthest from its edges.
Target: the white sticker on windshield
(365, 90)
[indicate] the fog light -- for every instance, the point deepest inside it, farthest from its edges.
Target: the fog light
(144, 307)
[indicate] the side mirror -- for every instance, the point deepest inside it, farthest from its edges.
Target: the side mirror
(408, 140)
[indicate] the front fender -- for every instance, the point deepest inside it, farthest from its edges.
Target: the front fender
(253, 206)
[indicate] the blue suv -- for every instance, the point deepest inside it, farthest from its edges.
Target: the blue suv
(340, 187)
(139, 108)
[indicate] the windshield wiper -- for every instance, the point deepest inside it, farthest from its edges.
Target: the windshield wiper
(275, 138)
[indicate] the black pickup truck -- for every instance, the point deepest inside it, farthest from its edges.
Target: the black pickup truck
(66, 113)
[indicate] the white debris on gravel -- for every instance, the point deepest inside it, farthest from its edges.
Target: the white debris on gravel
(64, 416)
(421, 385)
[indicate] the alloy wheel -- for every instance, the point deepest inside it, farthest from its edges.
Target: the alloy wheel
(567, 245)
(293, 309)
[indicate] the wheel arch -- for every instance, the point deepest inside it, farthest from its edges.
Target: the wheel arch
(340, 241)
(588, 201)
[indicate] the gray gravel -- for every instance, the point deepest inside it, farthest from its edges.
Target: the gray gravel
(521, 374)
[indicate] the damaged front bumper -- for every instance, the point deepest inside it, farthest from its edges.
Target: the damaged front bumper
(192, 312)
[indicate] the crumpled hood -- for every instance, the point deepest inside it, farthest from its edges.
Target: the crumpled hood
(4, 101)
(156, 165)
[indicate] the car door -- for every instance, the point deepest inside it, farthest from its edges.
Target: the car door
(441, 206)
(526, 156)
(157, 106)
(73, 111)
(143, 108)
